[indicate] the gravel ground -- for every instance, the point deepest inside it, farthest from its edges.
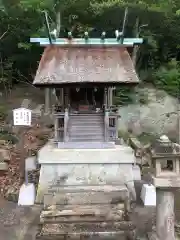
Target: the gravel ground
(18, 223)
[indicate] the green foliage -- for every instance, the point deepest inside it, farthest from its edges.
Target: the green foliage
(168, 78)
(123, 96)
(3, 113)
(125, 135)
(146, 138)
(8, 136)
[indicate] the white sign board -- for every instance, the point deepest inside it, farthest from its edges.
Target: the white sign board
(22, 117)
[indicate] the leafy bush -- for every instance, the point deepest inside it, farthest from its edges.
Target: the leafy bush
(147, 137)
(3, 113)
(168, 78)
(125, 135)
(7, 136)
(123, 96)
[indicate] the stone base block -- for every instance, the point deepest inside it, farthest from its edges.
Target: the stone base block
(27, 195)
(148, 195)
(77, 175)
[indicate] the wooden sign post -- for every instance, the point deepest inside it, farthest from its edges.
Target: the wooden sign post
(166, 179)
(22, 118)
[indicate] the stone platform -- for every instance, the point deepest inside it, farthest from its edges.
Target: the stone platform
(78, 168)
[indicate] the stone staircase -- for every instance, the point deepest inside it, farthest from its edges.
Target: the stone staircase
(86, 127)
(85, 212)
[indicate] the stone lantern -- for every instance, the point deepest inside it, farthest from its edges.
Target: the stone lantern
(166, 179)
(165, 158)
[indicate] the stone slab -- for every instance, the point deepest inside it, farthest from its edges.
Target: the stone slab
(80, 175)
(83, 213)
(166, 183)
(89, 198)
(121, 235)
(50, 154)
(30, 164)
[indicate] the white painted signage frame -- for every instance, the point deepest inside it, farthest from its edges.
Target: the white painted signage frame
(22, 117)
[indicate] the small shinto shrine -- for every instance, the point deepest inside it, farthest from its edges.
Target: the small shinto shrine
(84, 163)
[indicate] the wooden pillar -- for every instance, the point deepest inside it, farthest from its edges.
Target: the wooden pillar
(105, 97)
(110, 93)
(66, 97)
(165, 214)
(47, 100)
(62, 96)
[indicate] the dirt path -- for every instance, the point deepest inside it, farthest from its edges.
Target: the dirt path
(18, 223)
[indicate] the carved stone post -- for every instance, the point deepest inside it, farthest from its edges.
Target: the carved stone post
(166, 180)
(165, 214)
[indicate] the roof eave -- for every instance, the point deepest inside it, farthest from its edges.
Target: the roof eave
(55, 85)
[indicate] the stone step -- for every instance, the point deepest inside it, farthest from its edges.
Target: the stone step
(86, 116)
(86, 123)
(72, 228)
(79, 133)
(73, 140)
(86, 188)
(113, 235)
(86, 145)
(80, 213)
(87, 138)
(78, 129)
(85, 195)
(91, 127)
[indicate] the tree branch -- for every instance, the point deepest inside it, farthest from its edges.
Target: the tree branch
(1, 37)
(58, 23)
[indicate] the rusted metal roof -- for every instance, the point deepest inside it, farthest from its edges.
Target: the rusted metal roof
(85, 65)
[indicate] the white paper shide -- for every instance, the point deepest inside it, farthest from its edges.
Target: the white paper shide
(22, 117)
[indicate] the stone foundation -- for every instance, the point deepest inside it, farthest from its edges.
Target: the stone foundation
(80, 168)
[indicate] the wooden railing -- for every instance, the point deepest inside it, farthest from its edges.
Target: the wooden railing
(111, 124)
(61, 120)
(106, 125)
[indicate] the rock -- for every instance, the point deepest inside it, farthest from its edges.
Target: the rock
(151, 117)
(12, 194)
(2, 142)
(4, 155)
(38, 110)
(3, 166)
(25, 103)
